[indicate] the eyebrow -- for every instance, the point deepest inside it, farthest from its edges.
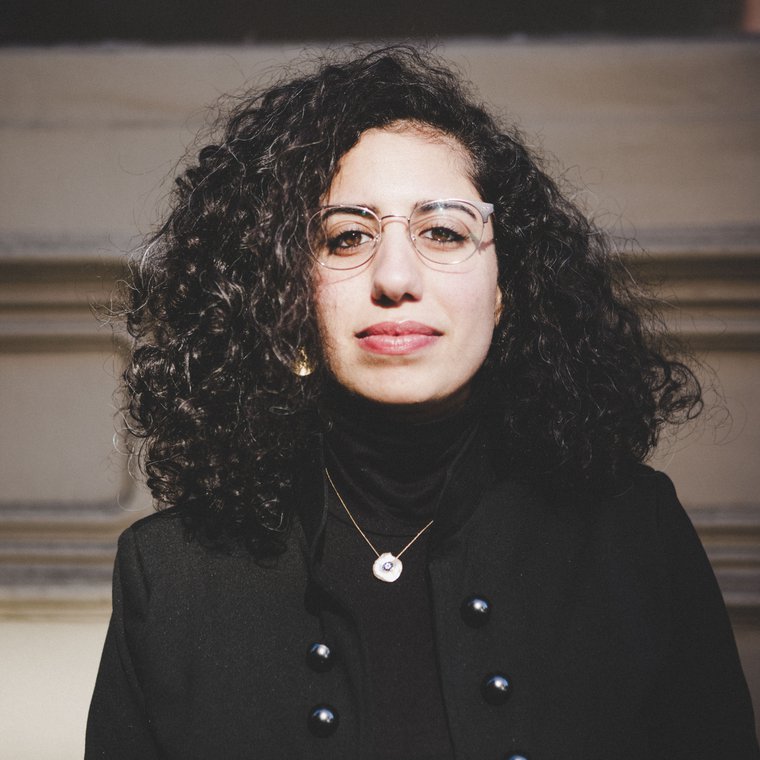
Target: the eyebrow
(451, 203)
(336, 208)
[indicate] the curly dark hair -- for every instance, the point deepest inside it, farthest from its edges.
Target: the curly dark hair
(222, 305)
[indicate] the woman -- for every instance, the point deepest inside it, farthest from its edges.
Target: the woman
(395, 395)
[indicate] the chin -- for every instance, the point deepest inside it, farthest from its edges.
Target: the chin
(410, 393)
(402, 399)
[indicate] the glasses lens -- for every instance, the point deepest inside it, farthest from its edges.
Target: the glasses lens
(446, 232)
(343, 237)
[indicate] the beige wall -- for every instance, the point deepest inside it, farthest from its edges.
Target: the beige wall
(661, 138)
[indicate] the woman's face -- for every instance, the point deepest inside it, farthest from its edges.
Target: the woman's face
(399, 329)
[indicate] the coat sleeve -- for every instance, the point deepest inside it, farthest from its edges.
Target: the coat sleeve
(702, 707)
(118, 726)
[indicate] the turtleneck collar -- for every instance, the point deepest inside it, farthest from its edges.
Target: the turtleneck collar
(389, 466)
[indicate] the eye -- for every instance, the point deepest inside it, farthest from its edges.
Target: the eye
(442, 232)
(345, 231)
(443, 235)
(344, 242)
(446, 231)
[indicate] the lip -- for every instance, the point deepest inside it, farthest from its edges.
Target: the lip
(397, 338)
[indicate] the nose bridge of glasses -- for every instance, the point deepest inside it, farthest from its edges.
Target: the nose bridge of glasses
(397, 217)
(400, 218)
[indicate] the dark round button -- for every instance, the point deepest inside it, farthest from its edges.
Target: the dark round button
(496, 689)
(319, 657)
(323, 720)
(476, 611)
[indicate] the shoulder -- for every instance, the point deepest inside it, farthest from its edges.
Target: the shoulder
(151, 553)
(647, 516)
(651, 500)
(647, 497)
(642, 499)
(163, 528)
(161, 551)
(642, 524)
(162, 556)
(162, 534)
(648, 523)
(644, 482)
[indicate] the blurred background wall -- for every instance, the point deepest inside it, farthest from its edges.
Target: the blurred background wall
(659, 136)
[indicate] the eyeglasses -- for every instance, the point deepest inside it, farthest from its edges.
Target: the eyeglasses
(444, 232)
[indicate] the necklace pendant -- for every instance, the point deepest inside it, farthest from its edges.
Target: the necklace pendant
(387, 567)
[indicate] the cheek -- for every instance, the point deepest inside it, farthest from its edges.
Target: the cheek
(333, 310)
(479, 303)
(325, 311)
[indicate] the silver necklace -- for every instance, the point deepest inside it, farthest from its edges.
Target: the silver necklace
(387, 567)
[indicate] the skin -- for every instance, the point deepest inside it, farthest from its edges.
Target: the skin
(390, 170)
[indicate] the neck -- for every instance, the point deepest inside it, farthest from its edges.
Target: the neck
(391, 462)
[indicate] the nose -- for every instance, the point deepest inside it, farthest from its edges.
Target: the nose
(396, 267)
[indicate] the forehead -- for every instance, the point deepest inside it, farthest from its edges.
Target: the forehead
(402, 165)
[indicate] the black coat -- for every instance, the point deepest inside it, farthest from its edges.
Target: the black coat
(605, 620)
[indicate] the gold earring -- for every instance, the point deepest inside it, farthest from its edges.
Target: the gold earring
(302, 366)
(499, 308)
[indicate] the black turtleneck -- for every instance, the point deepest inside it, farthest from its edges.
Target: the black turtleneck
(391, 469)
(390, 464)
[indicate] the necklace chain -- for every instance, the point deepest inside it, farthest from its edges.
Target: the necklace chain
(391, 559)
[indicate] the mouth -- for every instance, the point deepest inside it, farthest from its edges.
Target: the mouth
(397, 338)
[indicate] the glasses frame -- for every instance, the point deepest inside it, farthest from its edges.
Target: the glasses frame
(484, 209)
